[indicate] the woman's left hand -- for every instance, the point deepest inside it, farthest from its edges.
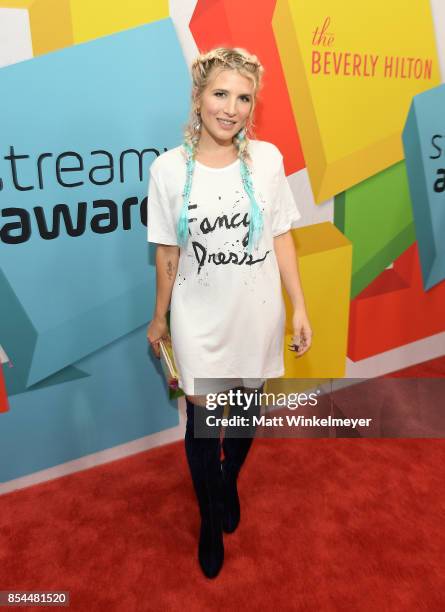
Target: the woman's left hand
(302, 338)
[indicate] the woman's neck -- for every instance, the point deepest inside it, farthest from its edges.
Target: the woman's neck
(216, 153)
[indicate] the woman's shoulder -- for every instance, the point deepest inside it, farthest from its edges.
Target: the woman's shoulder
(264, 149)
(266, 156)
(169, 162)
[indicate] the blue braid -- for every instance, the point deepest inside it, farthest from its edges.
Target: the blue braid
(256, 224)
(182, 229)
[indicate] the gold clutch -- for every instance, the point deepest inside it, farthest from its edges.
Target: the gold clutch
(168, 363)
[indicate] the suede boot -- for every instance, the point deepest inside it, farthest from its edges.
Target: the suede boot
(236, 445)
(203, 456)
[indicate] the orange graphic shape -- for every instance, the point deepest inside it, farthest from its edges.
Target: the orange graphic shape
(231, 23)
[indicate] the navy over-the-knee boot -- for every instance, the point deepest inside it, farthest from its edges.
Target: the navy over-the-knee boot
(203, 456)
(236, 445)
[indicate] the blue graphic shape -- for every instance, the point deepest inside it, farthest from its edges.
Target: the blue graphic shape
(69, 296)
(123, 399)
(424, 145)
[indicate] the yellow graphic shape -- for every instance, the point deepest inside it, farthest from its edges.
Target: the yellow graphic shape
(352, 69)
(49, 21)
(325, 263)
(100, 18)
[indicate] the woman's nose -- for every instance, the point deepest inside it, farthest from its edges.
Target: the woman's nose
(230, 108)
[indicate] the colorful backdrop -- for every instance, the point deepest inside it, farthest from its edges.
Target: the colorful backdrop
(92, 91)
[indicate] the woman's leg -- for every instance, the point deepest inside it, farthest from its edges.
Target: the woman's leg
(203, 456)
(198, 400)
(236, 444)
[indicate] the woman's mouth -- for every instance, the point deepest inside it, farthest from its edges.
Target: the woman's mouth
(226, 124)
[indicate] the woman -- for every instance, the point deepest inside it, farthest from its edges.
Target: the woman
(220, 210)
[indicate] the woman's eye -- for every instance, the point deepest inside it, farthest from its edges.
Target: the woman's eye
(223, 93)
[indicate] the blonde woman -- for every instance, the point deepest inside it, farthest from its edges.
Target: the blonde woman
(220, 210)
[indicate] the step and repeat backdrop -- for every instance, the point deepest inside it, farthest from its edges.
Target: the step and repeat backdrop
(92, 92)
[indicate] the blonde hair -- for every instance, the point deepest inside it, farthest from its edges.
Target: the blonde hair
(249, 66)
(226, 58)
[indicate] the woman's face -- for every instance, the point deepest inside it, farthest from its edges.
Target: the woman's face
(225, 105)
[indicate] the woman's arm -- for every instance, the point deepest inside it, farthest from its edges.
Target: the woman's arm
(167, 258)
(288, 265)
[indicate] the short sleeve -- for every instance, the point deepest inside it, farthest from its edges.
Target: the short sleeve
(161, 227)
(285, 213)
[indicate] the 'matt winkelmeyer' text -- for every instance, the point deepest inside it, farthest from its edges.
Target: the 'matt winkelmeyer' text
(289, 420)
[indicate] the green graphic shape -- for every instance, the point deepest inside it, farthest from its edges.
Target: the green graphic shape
(376, 216)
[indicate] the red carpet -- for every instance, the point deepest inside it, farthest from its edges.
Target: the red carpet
(347, 524)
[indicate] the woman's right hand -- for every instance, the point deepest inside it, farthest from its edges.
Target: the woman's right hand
(157, 329)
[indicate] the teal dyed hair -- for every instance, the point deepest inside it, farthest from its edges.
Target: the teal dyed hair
(256, 224)
(182, 229)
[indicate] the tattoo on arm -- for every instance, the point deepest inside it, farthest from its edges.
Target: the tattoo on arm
(170, 268)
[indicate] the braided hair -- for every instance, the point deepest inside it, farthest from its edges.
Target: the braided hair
(248, 65)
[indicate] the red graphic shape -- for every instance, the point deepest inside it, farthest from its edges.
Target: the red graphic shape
(230, 23)
(4, 404)
(395, 309)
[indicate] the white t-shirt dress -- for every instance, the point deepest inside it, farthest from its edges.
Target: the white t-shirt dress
(227, 314)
